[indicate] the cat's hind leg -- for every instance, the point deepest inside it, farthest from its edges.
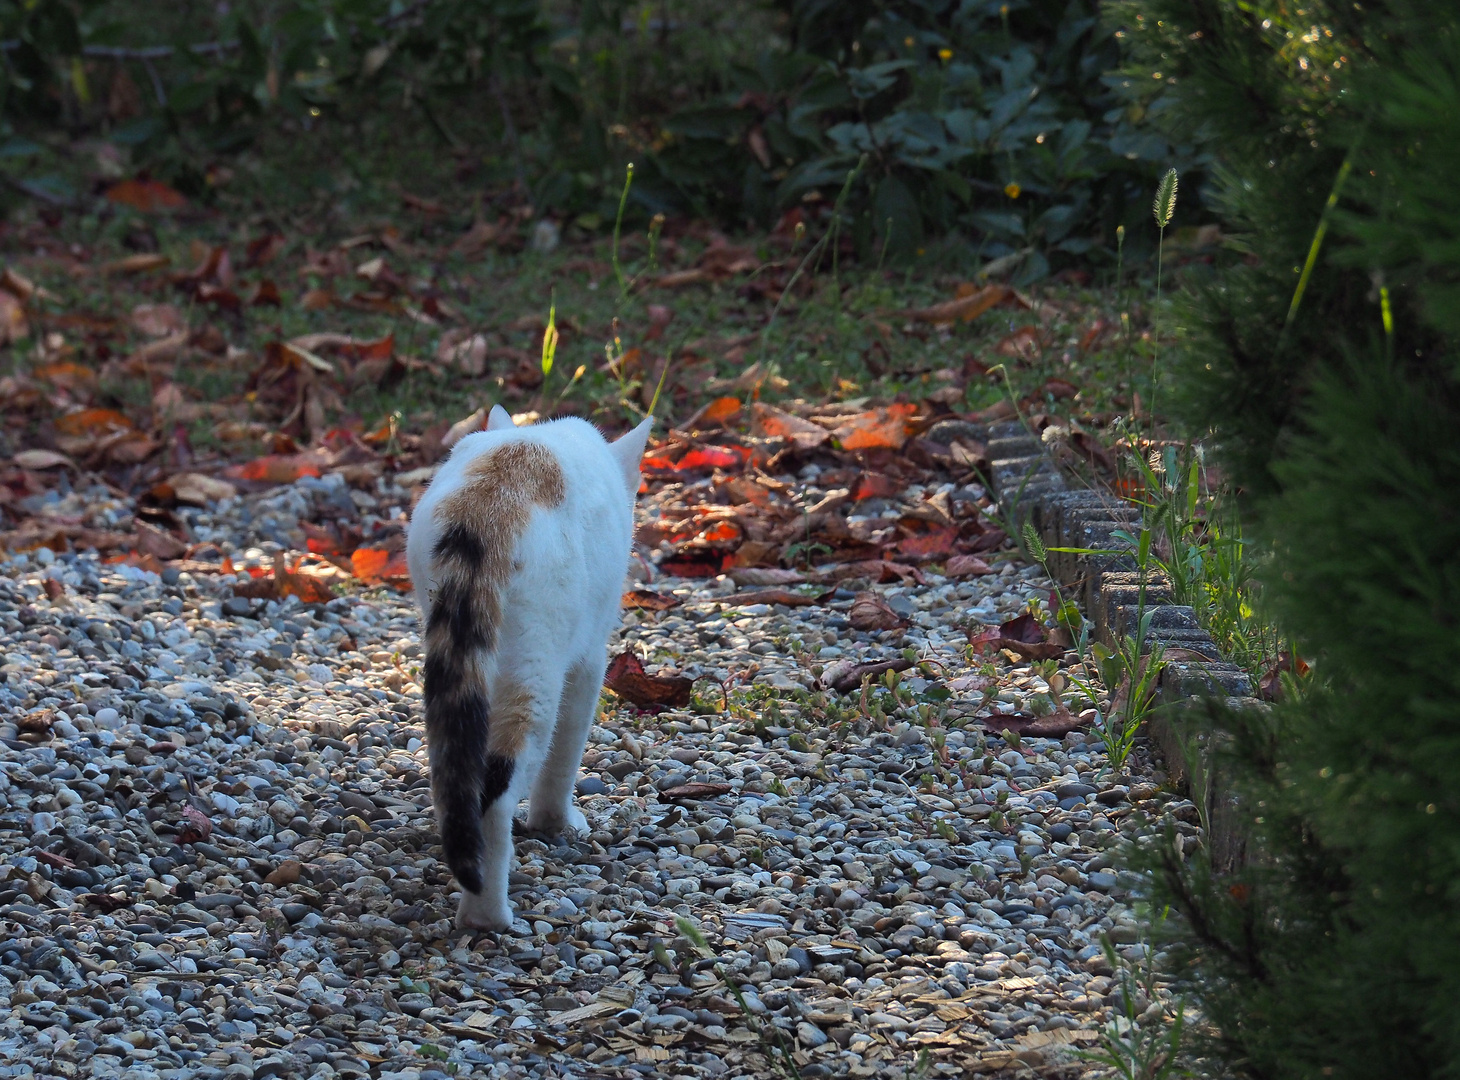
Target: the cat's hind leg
(551, 809)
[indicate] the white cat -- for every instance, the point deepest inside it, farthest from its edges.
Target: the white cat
(518, 551)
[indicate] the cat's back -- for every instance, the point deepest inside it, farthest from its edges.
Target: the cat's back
(554, 489)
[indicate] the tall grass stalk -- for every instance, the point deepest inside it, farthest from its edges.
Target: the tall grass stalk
(618, 223)
(1163, 208)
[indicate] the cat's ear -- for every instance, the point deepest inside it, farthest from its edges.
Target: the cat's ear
(499, 419)
(628, 451)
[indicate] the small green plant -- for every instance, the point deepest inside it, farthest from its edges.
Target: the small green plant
(1139, 1044)
(770, 1035)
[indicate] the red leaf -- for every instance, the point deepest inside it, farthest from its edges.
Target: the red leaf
(196, 826)
(627, 678)
(871, 485)
(936, 543)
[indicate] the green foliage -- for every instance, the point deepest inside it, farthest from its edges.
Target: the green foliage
(995, 119)
(1341, 424)
(991, 117)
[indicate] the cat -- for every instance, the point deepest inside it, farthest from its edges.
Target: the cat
(518, 550)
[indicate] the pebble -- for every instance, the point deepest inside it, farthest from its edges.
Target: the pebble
(852, 874)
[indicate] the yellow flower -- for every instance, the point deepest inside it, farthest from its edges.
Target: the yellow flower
(945, 55)
(1012, 189)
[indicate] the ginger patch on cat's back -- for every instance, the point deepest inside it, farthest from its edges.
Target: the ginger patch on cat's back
(482, 520)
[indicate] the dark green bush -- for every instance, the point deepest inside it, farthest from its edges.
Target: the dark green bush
(1001, 121)
(1335, 950)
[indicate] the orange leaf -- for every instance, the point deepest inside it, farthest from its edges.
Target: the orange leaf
(371, 350)
(886, 427)
(90, 421)
(145, 195)
(720, 409)
(968, 306)
(67, 374)
(309, 589)
(376, 565)
(773, 423)
(369, 562)
(273, 469)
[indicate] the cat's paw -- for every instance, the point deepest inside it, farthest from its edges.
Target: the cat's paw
(479, 912)
(560, 821)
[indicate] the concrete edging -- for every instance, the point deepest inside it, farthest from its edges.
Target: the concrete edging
(1030, 487)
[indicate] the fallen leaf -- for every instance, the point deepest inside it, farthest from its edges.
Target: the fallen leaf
(262, 250)
(966, 308)
(36, 722)
(42, 459)
(649, 601)
(309, 589)
(13, 324)
(872, 485)
(266, 294)
(871, 612)
(773, 423)
(286, 873)
(627, 678)
(1025, 343)
(965, 683)
(1023, 635)
(878, 570)
(274, 469)
(784, 596)
(697, 789)
(888, 427)
(158, 543)
(477, 239)
(140, 263)
(758, 575)
(1054, 726)
(464, 427)
(1270, 686)
(92, 422)
(148, 196)
(196, 826)
(935, 544)
(845, 676)
(105, 901)
(158, 320)
(372, 564)
(719, 410)
(199, 490)
(53, 860)
(966, 566)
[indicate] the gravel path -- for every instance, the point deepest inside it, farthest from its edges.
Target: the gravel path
(218, 855)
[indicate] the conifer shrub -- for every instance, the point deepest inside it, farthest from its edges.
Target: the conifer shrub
(1320, 364)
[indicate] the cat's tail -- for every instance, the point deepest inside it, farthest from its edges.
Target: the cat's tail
(460, 635)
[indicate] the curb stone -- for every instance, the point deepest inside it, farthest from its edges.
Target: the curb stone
(1030, 487)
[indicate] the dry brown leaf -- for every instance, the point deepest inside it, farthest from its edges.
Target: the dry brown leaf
(199, 490)
(871, 612)
(158, 320)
